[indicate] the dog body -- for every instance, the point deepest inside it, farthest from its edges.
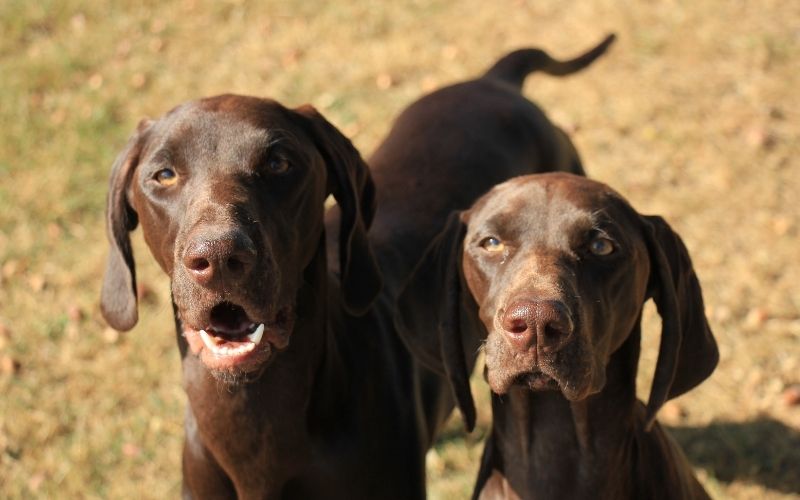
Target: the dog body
(559, 268)
(298, 384)
(443, 152)
(289, 395)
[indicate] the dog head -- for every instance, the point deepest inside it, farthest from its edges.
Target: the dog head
(559, 267)
(230, 195)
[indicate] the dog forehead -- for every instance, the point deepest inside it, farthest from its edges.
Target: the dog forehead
(226, 129)
(526, 204)
(538, 204)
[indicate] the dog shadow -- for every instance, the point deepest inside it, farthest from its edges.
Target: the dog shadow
(763, 451)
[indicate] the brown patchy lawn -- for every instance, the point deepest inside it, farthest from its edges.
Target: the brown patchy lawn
(694, 115)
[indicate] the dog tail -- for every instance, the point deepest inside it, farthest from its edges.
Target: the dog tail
(514, 67)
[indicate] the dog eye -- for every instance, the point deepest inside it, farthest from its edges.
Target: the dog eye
(601, 246)
(166, 177)
(278, 165)
(492, 244)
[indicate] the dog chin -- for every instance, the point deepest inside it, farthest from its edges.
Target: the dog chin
(235, 377)
(538, 379)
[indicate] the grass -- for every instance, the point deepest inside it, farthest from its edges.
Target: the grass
(694, 115)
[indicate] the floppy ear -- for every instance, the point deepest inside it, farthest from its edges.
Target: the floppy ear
(437, 321)
(352, 187)
(118, 295)
(688, 352)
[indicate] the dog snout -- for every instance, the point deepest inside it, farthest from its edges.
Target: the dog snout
(544, 324)
(220, 259)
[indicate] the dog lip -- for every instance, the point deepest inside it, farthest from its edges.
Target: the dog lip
(219, 353)
(247, 346)
(536, 381)
(252, 334)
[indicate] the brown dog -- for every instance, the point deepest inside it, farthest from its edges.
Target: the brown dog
(442, 153)
(560, 267)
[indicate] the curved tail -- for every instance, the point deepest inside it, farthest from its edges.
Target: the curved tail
(514, 67)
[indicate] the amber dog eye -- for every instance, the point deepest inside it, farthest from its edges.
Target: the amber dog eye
(278, 165)
(492, 244)
(601, 246)
(166, 177)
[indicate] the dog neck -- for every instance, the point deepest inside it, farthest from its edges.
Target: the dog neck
(263, 417)
(541, 441)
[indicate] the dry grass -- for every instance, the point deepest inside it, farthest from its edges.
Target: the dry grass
(694, 115)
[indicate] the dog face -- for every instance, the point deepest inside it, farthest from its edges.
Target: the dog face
(559, 268)
(230, 192)
(550, 272)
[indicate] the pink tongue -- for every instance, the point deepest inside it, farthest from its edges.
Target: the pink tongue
(230, 338)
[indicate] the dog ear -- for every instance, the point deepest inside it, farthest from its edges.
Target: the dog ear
(434, 317)
(354, 191)
(688, 352)
(118, 296)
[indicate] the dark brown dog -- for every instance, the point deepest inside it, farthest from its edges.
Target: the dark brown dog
(229, 192)
(560, 267)
(443, 152)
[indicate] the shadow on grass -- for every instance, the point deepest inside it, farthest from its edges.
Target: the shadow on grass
(762, 451)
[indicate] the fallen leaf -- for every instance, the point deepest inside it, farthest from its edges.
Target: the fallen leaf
(8, 365)
(130, 450)
(156, 45)
(781, 225)
(758, 137)
(138, 80)
(791, 395)
(37, 282)
(384, 81)
(110, 336)
(290, 58)
(146, 293)
(756, 318)
(10, 268)
(35, 482)
(75, 313)
(5, 337)
(428, 83)
(450, 52)
(95, 81)
(672, 412)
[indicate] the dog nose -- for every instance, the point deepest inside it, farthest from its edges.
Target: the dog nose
(537, 323)
(220, 259)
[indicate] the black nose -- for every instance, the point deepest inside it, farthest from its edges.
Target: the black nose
(214, 258)
(537, 323)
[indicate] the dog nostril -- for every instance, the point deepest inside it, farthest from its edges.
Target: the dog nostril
(552, 331)
(516, 326)
(235, 266)
(199, 264)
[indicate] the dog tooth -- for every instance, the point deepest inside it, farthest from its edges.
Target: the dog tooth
(255, 337)
(207, 340)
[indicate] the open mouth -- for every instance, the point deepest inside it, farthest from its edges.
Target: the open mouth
(226, 344)
(232, 340)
